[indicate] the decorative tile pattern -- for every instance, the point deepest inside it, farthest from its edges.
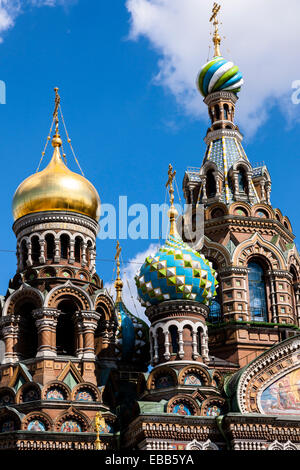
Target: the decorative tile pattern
(224, 152)
(176, 271)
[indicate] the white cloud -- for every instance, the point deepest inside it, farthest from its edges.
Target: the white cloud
(11, 9)
(262, 37)
(128, 272)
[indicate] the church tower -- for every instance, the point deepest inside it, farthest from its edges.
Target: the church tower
(249, 242)
(58, 323)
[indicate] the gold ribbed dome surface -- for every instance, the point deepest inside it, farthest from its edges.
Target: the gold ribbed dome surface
(56, 188)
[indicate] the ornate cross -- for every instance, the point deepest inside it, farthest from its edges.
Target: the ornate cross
(216, 36)
(169, 183)
(55, 113)
(118, 252)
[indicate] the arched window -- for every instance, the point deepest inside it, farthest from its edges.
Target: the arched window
(242, 181)
(211, 188)
(226, 111)
(49, 246)
(28, 336)
(174, 339)
(257, 292)
(78, 249)
(35, 249)
(24, 251)
(217, 111)
(64, 246)
(65, 330)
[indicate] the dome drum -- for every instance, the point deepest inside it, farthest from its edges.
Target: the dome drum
(177, 309)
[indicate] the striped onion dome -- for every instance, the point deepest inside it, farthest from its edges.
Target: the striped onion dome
(175, 272)
(219, 75)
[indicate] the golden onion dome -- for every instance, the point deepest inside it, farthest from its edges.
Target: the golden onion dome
(56, 188)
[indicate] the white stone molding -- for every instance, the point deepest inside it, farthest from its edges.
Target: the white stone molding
(17, 292)
(73, 287)
(282, 446)
(207, 445)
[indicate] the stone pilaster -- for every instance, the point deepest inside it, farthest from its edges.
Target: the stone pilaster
(46, 322)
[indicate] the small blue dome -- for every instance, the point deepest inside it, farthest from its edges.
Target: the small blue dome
(132, 336)
(219, 74)
(176, 271)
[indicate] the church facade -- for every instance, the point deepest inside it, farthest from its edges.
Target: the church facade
(219, 366)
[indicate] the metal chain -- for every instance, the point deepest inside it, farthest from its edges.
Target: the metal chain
(69, 140)
(46, 144)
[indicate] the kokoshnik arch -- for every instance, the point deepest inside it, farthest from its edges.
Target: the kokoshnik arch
(223, 341)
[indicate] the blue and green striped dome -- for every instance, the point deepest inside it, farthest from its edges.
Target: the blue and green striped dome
(176, 271)
(219, 74)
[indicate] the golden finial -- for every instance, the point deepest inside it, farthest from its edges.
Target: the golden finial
(56, 140)
(99, 422)
(118, 281)
(216, 36)
(172, 213)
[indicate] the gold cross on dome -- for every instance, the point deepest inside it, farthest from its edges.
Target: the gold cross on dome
(118, 252)
(215, 11)
(216, 36)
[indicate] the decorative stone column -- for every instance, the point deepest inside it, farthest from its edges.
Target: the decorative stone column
(268, 190)
(235, 175)
(180, 342)
(72, 248)
(89, 325)
(262, 189)
(10, 329)
(218, 179)
(273, 296)
(167, 345)
(195, 350)
(155, 359)
(204, 345)
(83, 258)
(46, 321)
(42, 259)
(108, 341)
(204, 197)
(56, 250)
(29, 256)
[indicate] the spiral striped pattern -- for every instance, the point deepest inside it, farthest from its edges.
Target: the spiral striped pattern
(219, 74)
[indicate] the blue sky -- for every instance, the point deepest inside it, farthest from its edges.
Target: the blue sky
(124, 117)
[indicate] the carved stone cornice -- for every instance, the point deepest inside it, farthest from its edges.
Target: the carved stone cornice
(279, 273)
(45, 312)
(233, 270)
(248, 222)
(171, 308)
(41, 218)
(219, 133)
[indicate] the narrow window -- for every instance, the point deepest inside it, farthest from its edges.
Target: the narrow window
(257, 292)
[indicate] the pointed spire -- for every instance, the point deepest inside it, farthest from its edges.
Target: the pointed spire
(172, 213)
(118, 281)
(216, 36)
